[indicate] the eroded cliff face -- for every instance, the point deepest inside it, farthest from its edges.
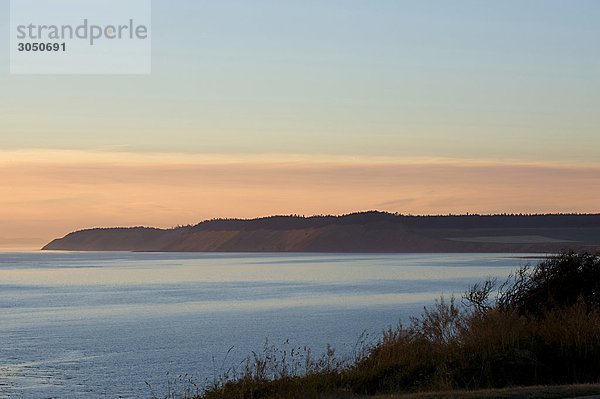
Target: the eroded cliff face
(363, 232)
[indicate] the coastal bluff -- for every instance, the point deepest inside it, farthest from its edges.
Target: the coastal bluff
(365, 232)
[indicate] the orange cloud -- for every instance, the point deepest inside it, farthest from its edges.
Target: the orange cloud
(45, 194)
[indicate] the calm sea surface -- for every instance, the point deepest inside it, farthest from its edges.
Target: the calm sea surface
(111, 325)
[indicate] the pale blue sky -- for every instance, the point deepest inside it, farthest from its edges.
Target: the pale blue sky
(517, 79)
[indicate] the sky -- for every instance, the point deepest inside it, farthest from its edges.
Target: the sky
(259, 107)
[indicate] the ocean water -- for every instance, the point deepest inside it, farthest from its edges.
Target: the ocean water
(128, 325)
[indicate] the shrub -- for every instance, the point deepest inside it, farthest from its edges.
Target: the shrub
(556, 282)
(542, 326)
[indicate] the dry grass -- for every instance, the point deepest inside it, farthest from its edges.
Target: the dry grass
(533, 334)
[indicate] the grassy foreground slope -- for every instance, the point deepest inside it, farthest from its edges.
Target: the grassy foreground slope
(541, 327)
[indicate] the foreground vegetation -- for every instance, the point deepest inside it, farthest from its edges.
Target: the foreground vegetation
(540, 327)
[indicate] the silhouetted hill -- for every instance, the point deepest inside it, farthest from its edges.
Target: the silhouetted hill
(357, 232)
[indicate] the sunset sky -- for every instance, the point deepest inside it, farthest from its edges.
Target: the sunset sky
(320, 106)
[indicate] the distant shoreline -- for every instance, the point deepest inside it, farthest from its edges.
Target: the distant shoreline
(366, 232)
